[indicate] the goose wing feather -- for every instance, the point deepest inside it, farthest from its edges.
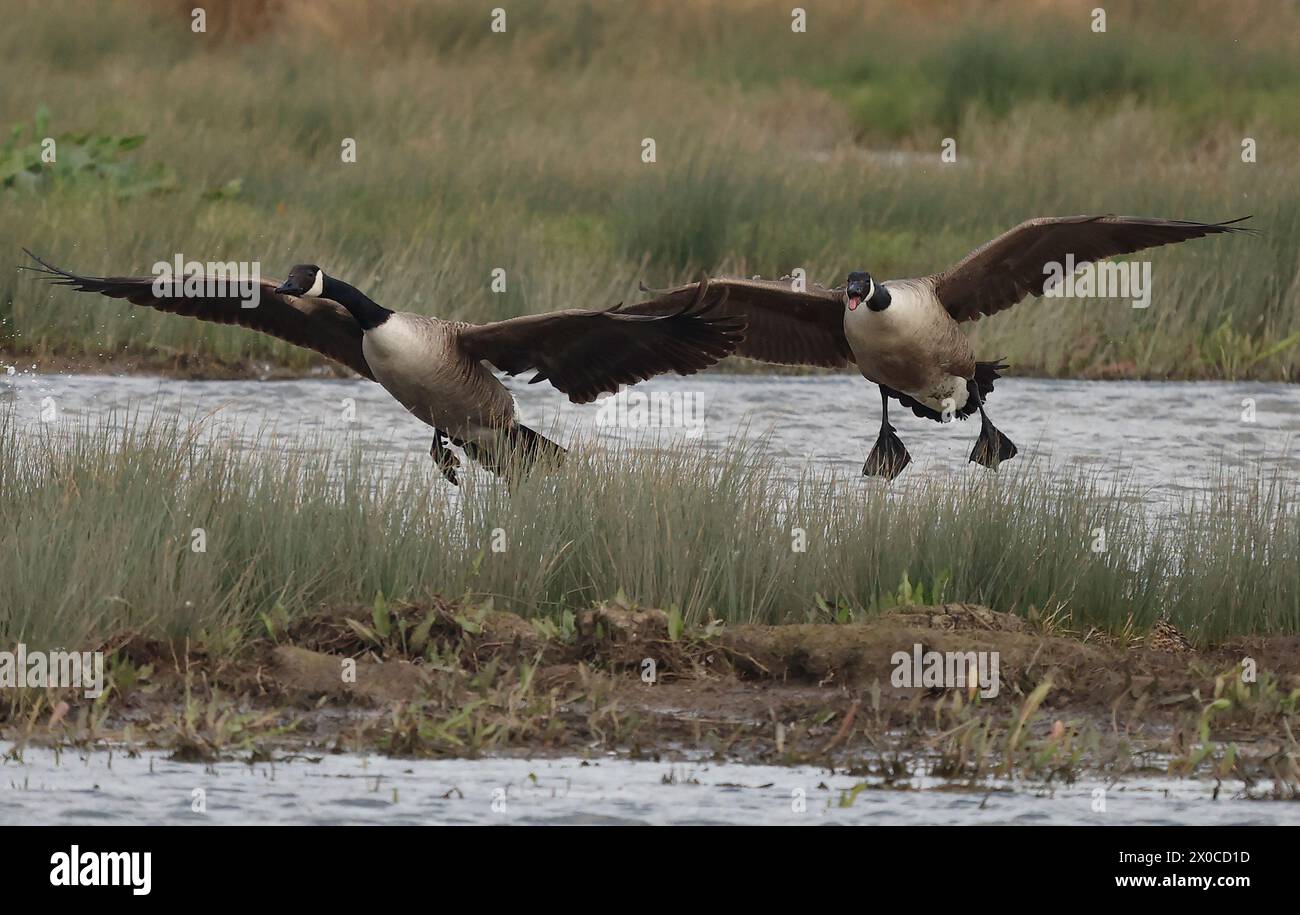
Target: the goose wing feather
(322, 325)
(588, 353)
(782, 324)
(999, 274)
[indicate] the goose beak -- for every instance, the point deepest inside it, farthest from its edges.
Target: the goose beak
(286, 288)
(854, 302)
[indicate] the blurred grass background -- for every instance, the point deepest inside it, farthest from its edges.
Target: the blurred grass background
(522, 150)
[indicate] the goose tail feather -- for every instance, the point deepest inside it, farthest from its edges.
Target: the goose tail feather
(532, 446)
(515, 452)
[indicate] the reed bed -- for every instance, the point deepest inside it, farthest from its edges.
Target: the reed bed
(98, 534)
(775, 150)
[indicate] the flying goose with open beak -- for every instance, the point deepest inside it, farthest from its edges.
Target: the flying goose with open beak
(436, 368)
(904, 335)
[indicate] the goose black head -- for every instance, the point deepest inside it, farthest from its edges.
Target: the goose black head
(304, 279)
(862, 288)
(311, 281)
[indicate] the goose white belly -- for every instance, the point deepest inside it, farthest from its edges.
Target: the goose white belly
(414, 359)
(911, 346)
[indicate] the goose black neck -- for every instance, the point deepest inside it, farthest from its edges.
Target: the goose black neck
(368, 313)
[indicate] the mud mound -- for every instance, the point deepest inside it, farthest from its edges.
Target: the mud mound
(313, 674)
(860, 653)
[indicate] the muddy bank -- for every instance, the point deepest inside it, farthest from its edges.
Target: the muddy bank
(447, 680)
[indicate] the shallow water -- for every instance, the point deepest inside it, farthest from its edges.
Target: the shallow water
(1166, 437)
(72, 788)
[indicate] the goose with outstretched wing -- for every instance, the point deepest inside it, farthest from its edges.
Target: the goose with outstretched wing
(904, 334)
(436, 368)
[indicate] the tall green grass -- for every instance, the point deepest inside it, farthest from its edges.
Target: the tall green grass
(522, 151)
(97, 535)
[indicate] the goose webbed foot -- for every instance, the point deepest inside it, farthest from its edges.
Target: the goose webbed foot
(442, 456)
(888, 458)
(992, 447)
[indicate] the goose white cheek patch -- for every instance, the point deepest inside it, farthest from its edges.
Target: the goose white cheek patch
(318, 285)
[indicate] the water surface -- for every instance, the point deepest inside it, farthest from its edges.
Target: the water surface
(71, 788)
(1166, 437)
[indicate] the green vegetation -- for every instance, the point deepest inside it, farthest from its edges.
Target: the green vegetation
(26, 160)
(478, 150)
(99, 535)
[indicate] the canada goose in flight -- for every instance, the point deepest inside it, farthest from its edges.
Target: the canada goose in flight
(435, 368)
(903, 334)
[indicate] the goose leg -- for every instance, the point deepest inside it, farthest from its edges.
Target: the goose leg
(888, 458)
(992, 447)
(442, 456)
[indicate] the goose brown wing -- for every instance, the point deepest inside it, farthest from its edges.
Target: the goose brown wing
(589, 353)
(322, 325)
(782, 324)
(999, 274)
